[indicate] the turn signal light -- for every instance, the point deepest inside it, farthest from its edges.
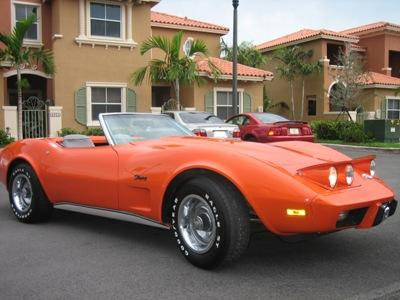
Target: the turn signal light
(296, 212)
(274, 131)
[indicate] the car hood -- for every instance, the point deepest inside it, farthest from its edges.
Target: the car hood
(288, 155)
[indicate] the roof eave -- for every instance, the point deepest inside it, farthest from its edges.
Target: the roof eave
(381, 86)
(312, 38)
(190, 28)
(240, 77)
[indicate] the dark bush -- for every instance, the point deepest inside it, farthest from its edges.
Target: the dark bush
(346, 131)
(5, 138)
(93, 131)
(67, 131)
(90, 131)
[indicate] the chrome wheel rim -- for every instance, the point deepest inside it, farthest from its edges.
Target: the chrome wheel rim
(196, 223)
(22, 192)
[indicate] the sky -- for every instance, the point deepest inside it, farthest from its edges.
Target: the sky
(263, 20)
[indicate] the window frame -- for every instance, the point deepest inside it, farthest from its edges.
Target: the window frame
(89, 23)
(89, 103)
(227, 90)
(34, 42)
(387, 106)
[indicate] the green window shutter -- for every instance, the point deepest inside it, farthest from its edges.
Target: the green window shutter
(130, 100)
(246, 102)
(209, 102)
(383, 108)
(80, 106)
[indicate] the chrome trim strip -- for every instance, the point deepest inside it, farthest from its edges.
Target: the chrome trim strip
(109, 213)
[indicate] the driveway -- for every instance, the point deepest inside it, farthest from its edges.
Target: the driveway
(83, 257)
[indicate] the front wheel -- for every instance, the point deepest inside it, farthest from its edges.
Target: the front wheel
(210, 222)
(27, 198)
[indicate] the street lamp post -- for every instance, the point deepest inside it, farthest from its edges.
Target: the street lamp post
(235, 4)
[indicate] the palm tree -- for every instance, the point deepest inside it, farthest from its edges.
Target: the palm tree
(174, 68)
(21, 57)
(289, 58)
(248, 54)
(306, 69)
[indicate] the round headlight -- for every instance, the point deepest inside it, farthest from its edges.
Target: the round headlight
(332, 177)
(372, 168)
(349, 174)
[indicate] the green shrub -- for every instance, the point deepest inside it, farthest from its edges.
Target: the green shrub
(346, 131)
(5, 138)
(90, 131)
(93, 131)
(67, 131)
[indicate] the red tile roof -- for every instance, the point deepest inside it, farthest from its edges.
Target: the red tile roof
(370, 27)
(166, 19)
(378, 78)
(305, 34)
(225, 67)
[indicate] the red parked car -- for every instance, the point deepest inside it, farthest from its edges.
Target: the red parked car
(267, 127)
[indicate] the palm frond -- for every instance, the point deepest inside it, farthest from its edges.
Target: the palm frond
(44, 57)
(155, 42)
(176, 45)
(138, 76)
(198, 47)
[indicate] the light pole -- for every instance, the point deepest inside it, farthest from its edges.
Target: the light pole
(235, 4)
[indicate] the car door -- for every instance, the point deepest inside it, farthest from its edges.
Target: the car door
(86, 176)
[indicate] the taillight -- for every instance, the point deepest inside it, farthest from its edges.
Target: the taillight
(199, 132)
(274, 131)
(306, 130)
(236, 133)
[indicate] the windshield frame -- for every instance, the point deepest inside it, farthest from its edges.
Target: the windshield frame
(107, 132)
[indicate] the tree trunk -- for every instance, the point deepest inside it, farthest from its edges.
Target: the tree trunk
(19, 88)
(178, 102)
(302, 102)
(292, 98)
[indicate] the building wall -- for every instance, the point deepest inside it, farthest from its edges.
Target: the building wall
(212, 40)
(255, 89)
(78, 65)
(375, 54)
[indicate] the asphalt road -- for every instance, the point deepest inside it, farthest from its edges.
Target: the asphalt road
(83, 257)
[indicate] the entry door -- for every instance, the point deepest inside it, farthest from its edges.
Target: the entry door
(83, 176)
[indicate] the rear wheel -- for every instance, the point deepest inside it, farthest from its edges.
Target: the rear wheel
(27, 198)
(251, 139)
(210, 222)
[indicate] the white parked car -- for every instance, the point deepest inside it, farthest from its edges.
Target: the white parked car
(205, 124)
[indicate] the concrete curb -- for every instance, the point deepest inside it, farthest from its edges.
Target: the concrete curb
(391, 150)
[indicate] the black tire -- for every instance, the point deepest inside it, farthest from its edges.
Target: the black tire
(231, 218)
(251, 139)
(40, 208)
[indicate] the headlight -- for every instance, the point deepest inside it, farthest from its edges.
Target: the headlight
(332, 177)
(372, 168)
(349, 174)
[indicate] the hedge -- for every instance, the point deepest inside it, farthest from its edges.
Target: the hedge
(346, 131)
(5, 138)
(90, 131)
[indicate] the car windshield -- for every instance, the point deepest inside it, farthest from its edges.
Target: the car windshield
(269, 118)
(126, 128)
(199, 117)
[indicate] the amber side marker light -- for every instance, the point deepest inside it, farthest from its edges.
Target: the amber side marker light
(296, 212)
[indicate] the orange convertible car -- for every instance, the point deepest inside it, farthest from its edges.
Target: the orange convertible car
(149, 169)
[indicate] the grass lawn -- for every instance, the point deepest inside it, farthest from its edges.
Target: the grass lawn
(370, 144)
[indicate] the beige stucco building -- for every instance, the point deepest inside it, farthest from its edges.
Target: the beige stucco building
(96, 47)
(378, 43)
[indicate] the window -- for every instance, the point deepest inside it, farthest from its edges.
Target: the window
(312, 105)
(393, 109)
(223, 103)
(22, 11)
(333, 51)
(105, 20)
(336, 93)
(239, 120)
(105, 99)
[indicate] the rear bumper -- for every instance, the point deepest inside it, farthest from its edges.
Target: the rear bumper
(271, 139)
(363, 206)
